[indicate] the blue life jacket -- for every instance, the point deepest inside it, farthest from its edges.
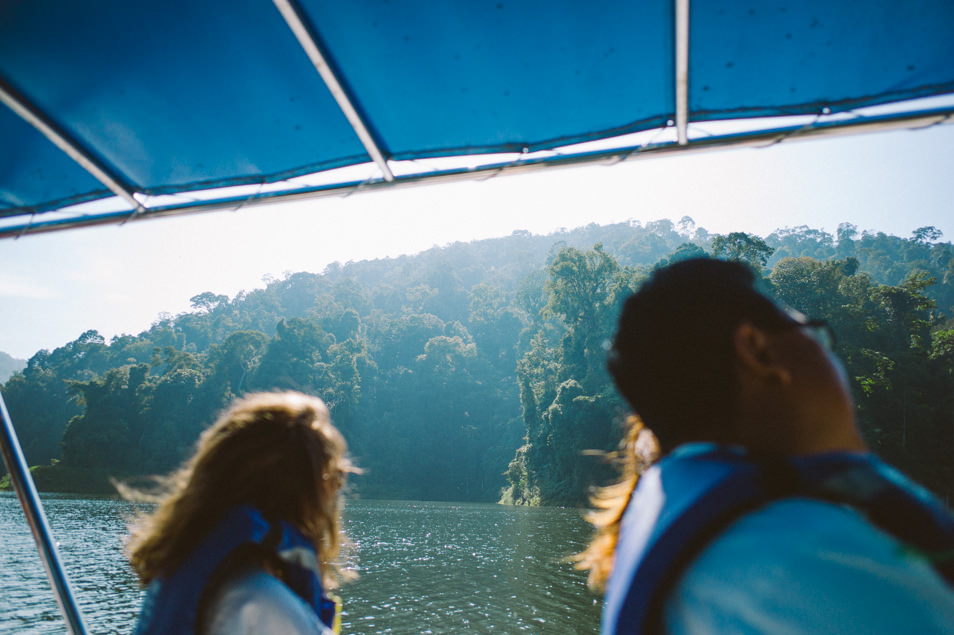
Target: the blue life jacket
(659, 538)
(171, 603)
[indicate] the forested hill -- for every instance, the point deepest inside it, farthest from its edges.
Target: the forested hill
(474, 371)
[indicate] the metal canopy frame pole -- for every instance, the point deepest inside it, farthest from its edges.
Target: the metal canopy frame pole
(682, 71)
(30, 501)
(48, 129)
(308, 42)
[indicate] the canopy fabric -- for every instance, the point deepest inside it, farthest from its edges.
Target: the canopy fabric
(155, 97)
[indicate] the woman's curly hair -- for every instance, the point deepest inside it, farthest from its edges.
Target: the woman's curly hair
(277, 452)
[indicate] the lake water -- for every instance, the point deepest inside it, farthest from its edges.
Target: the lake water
(424, 567)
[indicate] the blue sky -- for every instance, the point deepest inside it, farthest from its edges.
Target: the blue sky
(119, 279)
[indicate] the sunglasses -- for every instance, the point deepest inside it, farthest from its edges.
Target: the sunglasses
(818, 330)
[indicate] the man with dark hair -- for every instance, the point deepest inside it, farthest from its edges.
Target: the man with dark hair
(765, 514)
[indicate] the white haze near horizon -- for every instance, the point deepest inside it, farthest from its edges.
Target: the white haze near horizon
(118, 279)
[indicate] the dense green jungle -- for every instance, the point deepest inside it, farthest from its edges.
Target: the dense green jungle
(475, 371)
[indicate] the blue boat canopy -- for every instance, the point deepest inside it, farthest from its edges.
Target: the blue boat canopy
(157, 107)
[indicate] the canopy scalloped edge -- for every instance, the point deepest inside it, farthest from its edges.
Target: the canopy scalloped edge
(55, 221)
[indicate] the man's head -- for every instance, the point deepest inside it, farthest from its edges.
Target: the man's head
(700, 354)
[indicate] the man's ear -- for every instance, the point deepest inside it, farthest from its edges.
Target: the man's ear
(756, 354)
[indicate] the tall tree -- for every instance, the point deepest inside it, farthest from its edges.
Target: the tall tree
(742, 247)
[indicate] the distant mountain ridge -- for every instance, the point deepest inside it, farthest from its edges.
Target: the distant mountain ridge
(9, 365)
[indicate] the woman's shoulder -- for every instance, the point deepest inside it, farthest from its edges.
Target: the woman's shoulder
(254, 601)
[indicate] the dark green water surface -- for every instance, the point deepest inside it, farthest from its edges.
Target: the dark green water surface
(424, 568)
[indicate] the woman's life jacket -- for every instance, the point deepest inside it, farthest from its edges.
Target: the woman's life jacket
(659, 538)
(171, 604)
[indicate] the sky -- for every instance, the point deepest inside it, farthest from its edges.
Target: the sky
(118, 279)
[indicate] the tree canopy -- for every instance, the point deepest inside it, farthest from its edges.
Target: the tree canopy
(475, 371)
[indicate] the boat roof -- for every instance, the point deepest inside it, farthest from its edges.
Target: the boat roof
(116, 110)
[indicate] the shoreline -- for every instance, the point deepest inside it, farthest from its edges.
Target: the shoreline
(61, 479)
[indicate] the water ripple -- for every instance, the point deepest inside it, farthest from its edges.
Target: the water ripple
(424, 568)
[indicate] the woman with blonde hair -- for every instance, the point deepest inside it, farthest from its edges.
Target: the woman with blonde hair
(246, 537)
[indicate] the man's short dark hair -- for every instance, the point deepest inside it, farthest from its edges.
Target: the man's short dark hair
(673, 358)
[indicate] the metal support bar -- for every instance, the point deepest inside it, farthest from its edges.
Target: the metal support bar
(30, 501)
(308, 42)
(48, 129)
(682, 71)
